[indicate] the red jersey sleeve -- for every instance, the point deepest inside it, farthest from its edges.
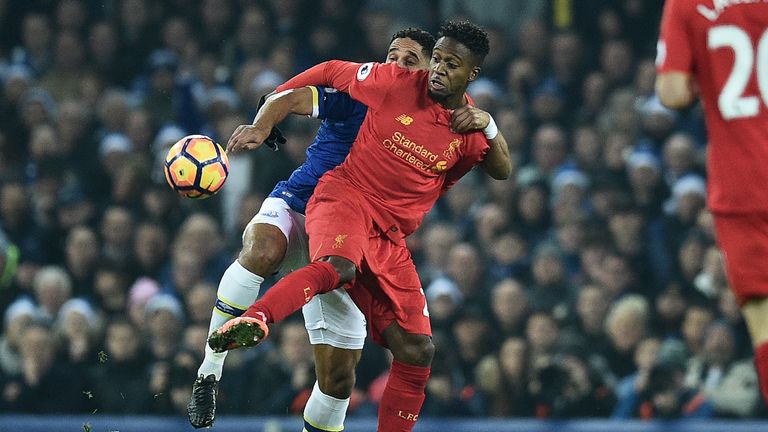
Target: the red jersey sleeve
(368, 83)
(474, 154)
(674, 51)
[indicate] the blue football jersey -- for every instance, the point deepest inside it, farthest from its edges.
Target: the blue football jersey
(342, 117)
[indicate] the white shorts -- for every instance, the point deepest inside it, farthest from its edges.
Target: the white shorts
(331, 318)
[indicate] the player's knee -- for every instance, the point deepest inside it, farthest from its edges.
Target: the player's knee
(337, 381)
(263, 249)
(417, 350)
(344, 267)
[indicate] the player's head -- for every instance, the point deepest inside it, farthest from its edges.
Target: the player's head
(456, 58)
(411, 48)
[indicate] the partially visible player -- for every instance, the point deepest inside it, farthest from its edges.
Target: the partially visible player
(721, 47)
(275, 240)
(410, 149)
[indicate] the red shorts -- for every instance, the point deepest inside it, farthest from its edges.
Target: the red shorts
(387, 287)
(744, 242)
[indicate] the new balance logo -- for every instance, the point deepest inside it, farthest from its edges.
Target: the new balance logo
(404, 119)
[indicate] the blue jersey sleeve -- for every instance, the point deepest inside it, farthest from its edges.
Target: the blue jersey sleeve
(332, 105)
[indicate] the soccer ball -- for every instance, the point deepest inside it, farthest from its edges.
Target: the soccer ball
(196, 167)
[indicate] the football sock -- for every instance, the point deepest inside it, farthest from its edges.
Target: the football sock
(324, 413)
(294, 291)
(238, 289)
(402, 398)
(761, 363)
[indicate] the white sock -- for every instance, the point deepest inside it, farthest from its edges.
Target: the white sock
(238, 290)
(323, 412)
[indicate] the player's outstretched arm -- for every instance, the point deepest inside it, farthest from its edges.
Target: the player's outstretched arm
(333, 73)
(497, 162)
(675, 89)
(274, 110)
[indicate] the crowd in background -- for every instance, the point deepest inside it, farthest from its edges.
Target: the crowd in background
(588, 285)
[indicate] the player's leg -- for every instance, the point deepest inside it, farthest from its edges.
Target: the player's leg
(744, 242)
(265, 241)
(327, 406)
(755, 313)
(339, 231)
(401, 322)
(336, 329)
(404, 393)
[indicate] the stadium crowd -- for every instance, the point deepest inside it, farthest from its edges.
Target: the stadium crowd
(588, 285)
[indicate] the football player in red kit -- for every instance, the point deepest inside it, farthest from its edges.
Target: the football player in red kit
(406, 154)
(721, 48)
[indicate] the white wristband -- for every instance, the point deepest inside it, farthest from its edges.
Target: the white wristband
(491, 130)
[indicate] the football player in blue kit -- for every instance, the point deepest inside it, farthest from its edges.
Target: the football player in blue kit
(275, 241)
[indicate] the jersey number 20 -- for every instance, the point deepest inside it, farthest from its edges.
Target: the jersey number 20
(732, 102)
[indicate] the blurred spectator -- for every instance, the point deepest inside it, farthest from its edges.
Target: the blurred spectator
(589, 318)
(730, 384)
(139, 294)
(165, 320)
(110, 285)
(52, 287)
(472, 335)
(116, 233)
(64, 79)
(44, 385)
(509, 306)
(119, 379)
(626, 325)
(438, 239)
(82, 253)
(680, 157)
(17, 317)
(669, 311)
(697, 318)
(667, 397)
(551, 292)
(35, 51)
(465, 268)
(444, 300)
(150, 249)
(541, 334)
(503, 377)
(78, 327)
(629, 389)
(199, 303)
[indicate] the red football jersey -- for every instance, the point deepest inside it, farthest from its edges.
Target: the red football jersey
(405, 155)
(723, 44)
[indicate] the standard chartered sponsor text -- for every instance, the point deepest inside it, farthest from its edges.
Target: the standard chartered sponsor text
(409, 151)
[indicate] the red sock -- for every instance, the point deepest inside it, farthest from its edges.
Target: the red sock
(403, 397)
(761, 363)
(295, 290)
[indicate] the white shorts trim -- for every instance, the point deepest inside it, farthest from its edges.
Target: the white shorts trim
(334, 319)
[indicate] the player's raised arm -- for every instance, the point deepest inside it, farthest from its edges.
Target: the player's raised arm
(674, 58)
(367, 83)
(497, 162)
(275, 109)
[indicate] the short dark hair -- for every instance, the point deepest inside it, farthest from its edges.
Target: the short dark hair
(469, 35)
(424, 38)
